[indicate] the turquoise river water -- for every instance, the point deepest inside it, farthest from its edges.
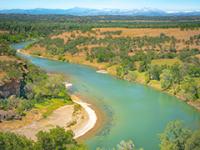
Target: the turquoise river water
(134, 111)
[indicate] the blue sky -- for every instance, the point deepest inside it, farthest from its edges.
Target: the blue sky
(122, 4)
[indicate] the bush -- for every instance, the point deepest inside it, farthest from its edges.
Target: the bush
(54, 139)
(174, 136)
(11, 141)
(177, 137)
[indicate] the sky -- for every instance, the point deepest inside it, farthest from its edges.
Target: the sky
(168, 5)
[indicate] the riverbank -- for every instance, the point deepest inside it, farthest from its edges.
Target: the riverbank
(89, 122)
(69, 113)
(100, 115)
(78, 117)
(112, 71)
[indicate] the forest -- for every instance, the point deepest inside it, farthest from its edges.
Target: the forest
(165, 62)
(30, 26)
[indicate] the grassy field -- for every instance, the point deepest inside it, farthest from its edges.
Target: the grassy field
(165, 61)
(99, 33)
(49, 106)
(176, 32)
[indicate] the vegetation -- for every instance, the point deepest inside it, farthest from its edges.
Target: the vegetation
(123, 145)
(49, 106)
(33, 26)
(32, 86)
(176, 137)
(36, 88)
(54, 139)
(163, 61)
(159, 58)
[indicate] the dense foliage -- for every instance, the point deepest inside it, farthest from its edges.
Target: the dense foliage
(177, 137)
(54, 139)
(135, 58)
(5, 47)
(29, 26)
(35, 86)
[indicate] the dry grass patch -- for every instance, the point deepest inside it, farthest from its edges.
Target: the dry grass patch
(37, 47)
(140, 77)
(2, 75)
(8, 58)
(112, 70)
(80, 58)
(198, 56)
(3, 32)
(49, 106)
(39, 112)
(176, 32)
(156, 84)
(165, 61)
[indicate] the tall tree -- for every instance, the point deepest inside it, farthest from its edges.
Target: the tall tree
(174, 136)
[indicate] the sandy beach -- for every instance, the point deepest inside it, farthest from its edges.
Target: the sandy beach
(80, 122)
(102, 71)
(88, 123)
(78, 117)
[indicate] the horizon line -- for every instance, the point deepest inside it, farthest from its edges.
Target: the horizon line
(128, 9)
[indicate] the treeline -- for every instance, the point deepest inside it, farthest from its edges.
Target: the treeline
(174, 137)
(54, 139)
(179, 78)
(122, 46)
(30, 26)
(57, 46)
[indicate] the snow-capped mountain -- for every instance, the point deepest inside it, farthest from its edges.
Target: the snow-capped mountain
(76, 11)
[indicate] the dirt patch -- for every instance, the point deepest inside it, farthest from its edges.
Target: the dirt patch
(8, 58)
(31, 116)
(2, 75)
(59, 117)
(176, 32)
(3, 32)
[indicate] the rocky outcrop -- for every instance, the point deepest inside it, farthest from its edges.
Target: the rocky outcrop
(9, 88)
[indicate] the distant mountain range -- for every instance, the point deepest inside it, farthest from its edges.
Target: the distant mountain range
(98, 12)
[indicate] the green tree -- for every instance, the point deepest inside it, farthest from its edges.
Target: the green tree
(191, 88)
(154, 72)
(126, 145)
(131, 76)
(193, 143)
(177, 73)
(52, 87)
(55, 139)
(143, 65)
(11, 141)
(121, 71)
(174, 136)
(166, 79)
(5, 48)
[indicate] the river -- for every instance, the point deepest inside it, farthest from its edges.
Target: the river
(134, 111)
